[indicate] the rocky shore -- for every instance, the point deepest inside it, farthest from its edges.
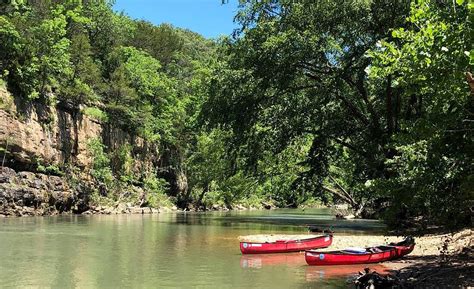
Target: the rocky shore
(28, 193)
(35, 194)
(443, 260)
(124, 208)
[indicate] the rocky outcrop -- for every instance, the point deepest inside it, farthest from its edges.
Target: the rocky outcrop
(31, 140)
(28, 194)
(36, 134)
(35, 194)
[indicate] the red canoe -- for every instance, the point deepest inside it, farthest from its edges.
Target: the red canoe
(367, 255)
(285, 246)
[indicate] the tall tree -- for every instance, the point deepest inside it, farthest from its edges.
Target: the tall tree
(299, 68)
(424, 67)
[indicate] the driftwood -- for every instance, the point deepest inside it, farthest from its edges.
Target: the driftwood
(373, 280)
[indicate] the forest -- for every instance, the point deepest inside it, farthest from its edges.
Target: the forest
(308, 103)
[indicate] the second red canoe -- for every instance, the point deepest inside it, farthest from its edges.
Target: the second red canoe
(362, 256)
(285, 246)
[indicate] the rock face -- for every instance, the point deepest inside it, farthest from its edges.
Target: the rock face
(28, 194)
(33, 136)
(39, 135)
(35, 194)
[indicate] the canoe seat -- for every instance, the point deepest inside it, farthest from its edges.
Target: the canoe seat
(375, 250)
(355, 250)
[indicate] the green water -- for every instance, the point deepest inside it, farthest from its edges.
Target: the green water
(169, 250)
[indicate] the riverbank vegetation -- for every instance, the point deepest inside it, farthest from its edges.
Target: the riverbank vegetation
(358, 102)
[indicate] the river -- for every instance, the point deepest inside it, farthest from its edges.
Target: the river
(168, 250)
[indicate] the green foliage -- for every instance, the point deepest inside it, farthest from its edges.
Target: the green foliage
(155, 189)
(50, 57)
(95, 113)
(39, 59)
(6, 99)
(142, 98)
(85, 79)
(296, 71)
(100, 170)
(9, 37)
(433, 161)
(49, 169)
(150, 38)
(123, 163)
(217, 179)
(107, 29)
(378, 90)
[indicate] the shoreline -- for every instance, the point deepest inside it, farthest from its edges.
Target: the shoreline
(120, 209)
(438, 260)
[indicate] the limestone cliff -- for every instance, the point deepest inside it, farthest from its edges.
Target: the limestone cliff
(35, 135)
(59, 142)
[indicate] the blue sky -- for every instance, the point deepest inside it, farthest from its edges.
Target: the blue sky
(208, 17)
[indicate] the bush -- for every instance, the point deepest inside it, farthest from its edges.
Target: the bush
(6, 99)
(101, 170)
(155, 189)
(95, 113)
(50, 169)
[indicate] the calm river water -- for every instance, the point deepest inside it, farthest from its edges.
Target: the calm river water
(168, 250)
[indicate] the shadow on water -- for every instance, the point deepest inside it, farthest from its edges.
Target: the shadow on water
(283, 219)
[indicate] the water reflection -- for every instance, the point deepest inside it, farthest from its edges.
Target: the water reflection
(314, 273)
(260, 260)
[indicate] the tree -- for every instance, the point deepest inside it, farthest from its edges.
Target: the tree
(42, 63)
(144, 93)
(162, 42)
(85, 81)
(432, 170)
(10, 46)
(107, 29)
(297, 68)
(51, 55)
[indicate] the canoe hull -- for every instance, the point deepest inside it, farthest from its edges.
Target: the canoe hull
(286, 246)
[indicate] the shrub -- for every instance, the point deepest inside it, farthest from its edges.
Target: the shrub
(155, 191)
(95, 113)
(101, 170)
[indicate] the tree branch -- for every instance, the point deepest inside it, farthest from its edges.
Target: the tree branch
(340, 195)
(349, 146)
(348, 196)
(360, 88)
